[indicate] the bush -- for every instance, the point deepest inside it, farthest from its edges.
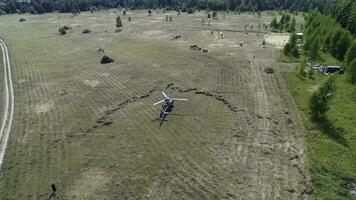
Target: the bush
(209, 15)
(352, 70)
(22, 20)
(191, 10)
(65, 27)
(86, 31)
(319, 101)
(215, 15)
(118, 22)
(62, 31)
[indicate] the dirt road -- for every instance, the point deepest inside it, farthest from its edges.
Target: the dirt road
(9, 102)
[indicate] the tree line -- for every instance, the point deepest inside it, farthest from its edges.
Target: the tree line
(323, 33)
(342, 10)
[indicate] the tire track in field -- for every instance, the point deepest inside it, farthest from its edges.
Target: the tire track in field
(9, 102)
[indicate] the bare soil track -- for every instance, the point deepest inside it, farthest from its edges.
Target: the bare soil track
(8, 100)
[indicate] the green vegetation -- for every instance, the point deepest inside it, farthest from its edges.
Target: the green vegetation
(323, 32)
(351, 53)
(291, 48)
(320, 100)
(343, 11)
(63, 30)
(118, 22)
(330, 143)
(191, 10)
(215, 15)
(286, 23)
(327, 106)
(352, 70)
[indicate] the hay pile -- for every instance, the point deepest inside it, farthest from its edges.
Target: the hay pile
(269, 70)
(106, 59)
(86, 31)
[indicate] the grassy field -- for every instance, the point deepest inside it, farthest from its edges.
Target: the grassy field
(330, 145)
(92, 130)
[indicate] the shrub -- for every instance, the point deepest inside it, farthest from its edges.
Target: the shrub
(22, 20)
(118, 22)
(191, 10)
(352, 70)
(62, 31)
(86, 31)
(319, 101)
(215, 15)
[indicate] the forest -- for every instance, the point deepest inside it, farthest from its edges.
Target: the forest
(343, 11)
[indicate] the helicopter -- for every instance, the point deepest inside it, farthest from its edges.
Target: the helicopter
(168, 105)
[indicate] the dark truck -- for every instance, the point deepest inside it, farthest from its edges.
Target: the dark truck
(334, 69)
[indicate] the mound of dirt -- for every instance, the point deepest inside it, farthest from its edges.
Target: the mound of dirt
(269, 70)
(86, 31)
(106, 59)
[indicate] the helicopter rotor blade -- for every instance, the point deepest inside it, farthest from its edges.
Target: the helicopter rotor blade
(179, 99)
(164, 94)
(158, 102)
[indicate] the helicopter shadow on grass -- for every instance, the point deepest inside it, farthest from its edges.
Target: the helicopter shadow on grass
(162, 120)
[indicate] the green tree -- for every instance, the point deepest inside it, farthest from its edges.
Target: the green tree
(62, 31)
(342, 45)
(291, 48)
(118, 22)
(352, 71)
(287, 49)
(334, 40)
(124, 12)
(314, 50)
(191, 10)
(149, 12)
(301, 68)
(320, 100)
(215, 15)
(351, 53)
(292, 26)
(274, 24)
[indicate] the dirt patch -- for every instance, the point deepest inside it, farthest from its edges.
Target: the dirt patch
(43, 108)
(92, 83)
(313, 88)
(89, 184)
(279, 40)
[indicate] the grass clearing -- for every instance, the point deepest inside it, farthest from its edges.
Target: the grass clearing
(75, 119)
(331, 145)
